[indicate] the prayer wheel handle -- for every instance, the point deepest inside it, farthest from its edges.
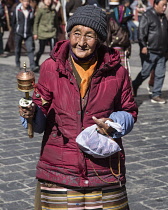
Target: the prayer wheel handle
(26, 81)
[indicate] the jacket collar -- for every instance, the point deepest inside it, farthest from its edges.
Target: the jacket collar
(107, 57)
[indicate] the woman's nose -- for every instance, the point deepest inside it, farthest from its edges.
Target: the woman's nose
(82, 40)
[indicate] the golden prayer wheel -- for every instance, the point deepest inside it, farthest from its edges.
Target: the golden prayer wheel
(26, 81)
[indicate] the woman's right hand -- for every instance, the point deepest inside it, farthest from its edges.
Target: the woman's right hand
(35, 37)
(27, 112)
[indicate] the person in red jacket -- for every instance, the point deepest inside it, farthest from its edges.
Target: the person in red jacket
(82, 84)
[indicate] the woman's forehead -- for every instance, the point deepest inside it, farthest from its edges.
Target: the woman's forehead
(83, 29)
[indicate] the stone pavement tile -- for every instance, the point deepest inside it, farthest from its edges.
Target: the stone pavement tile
(11, 153)
(31, 182)
(13, 185)
(30, 157)
(158, 203)
(14, 195)
(9, 161)
(17, 205)
(10, 168)
(153, 163)
(30, 172)
(13, 176)
(133, 206)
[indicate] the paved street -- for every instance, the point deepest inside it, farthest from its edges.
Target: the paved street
(146, 146)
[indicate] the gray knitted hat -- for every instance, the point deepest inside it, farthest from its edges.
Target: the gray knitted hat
(92, 17)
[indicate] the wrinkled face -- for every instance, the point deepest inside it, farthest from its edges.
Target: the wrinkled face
(83, 41)
(47, 2)
(25, 3)
(161, 6)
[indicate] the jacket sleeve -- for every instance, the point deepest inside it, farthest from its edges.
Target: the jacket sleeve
(37, 21)
(143, 31)
(42, 93)
(125, 100)
(125, 120)
(13, 17)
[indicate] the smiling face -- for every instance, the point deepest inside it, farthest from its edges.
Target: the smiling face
(83, 41)
(160, 8)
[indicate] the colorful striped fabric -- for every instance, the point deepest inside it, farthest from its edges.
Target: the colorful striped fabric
(60, 198)
(122, 55)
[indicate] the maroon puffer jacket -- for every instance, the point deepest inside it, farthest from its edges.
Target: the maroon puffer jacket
(61, 160)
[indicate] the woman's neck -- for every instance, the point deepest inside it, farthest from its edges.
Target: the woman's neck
(82, 60)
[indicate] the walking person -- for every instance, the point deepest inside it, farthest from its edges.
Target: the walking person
(81, 84)
(45, 27)
(2, 16)
(153, 33)
(22, 21)
(71, 6)
(3, 8)
(118, 33)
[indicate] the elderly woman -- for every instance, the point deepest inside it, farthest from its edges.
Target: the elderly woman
(81, 84)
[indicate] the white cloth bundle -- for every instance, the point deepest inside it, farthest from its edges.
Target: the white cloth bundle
(96, 144)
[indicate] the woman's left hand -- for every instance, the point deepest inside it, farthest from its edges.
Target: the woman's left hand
(103, 128)
(27, 112)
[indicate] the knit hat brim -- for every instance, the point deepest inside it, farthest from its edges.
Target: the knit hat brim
(92, 17)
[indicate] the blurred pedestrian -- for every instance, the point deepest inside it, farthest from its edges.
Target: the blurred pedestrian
(81, 84)
(118, 34)
(4, 22)
(140, 6)
(153, 33)
(23, 17)
(45, 27)
(71, 6)
(2, 16)
(93, 2)
(133, 29)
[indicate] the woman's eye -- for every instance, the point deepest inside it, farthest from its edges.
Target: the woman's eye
(77, 34)
(89, 36)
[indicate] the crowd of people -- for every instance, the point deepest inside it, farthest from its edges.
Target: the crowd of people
(85, 84)
(45, 21)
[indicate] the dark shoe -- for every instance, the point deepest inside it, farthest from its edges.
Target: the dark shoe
(36, 69)
(158, 99)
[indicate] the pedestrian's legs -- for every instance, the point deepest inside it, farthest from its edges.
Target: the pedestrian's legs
(1, 43)
(30, 51)
(130, 30)
(18, 44)
(52, 43)
(135, 32)
(42, 44)
(148, 65)
(159, 76)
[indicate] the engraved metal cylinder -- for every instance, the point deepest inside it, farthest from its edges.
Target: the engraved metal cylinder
(26, 80)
